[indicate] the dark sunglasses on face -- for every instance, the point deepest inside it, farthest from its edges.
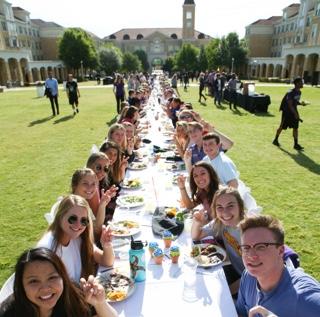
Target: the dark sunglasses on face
(84, 221)
(185, 117)
(99, 168)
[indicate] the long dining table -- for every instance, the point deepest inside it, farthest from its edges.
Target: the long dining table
(161, 294)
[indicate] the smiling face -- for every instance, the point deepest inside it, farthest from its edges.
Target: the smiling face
(43, 285)
(129, 131)
(100, 167)
(201, 177)
(112, 155)
(227, 210)
(87, 187)
(195, 134)
(262, 265)
(76, 228)
(118, 136)
(211, 148)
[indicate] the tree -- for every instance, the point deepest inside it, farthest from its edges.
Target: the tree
(131, 63)
(110, 59)
(237, 50)
(187, 58)
(76, 47)
(203, 61)
(143, 57)
(169, 64)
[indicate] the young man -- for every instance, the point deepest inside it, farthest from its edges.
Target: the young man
(221, 163)
(290, 116)
(267, 281)
(73, 93)
(51, 85)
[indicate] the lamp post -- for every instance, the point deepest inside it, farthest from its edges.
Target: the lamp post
(81, 62)
(232, 61)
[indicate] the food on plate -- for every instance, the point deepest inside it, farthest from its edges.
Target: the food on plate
(117, 286)
(124, 227)
(152, 246)
(167, 237)
(174, 253)
(137, 166)
(127, 200)
(158, 256)
(132, 183)
(207, 255)
(171, 212)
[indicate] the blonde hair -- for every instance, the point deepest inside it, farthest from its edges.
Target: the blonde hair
(115, 127)
(86, 251)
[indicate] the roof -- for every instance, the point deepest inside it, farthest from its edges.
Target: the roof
(189, 2)
(269, 21)
(19, 9)
(145, 32)
(42, 23)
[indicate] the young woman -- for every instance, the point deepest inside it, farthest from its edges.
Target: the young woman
(131, 134)
(181, 137)
(227, 212)
(204, 183)
(85, 183)
(42, 288)
(117, 134)
(131, 115)
(119, 91)
(71, 236)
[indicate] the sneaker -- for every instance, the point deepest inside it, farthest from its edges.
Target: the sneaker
(298, 147)
(74, 113)
(275, 142)
(77, 110)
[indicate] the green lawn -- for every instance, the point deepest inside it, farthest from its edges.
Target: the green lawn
(40, 153)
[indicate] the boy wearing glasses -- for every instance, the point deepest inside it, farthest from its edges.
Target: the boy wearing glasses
(267, 282)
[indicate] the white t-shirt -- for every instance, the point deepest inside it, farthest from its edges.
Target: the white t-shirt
(70, 255)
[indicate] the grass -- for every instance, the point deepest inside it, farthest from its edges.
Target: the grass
(40, 153)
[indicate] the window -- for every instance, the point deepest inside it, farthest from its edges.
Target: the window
(139, 37)
(174, 36)
(7, 42)
(126, 37)
(189, 24)
(189, 15)
(4, 26)
(308, 21)
(112, 37)
(318, 10)
(291, 26)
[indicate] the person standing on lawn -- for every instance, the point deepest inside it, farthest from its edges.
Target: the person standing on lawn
(290, 115)
(51, 85)
(73, 93)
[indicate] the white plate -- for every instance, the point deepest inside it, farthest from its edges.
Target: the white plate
(122, 201)
(137, 166)
(125, 183)
(127, 231)
(113, 281)
(219, 250)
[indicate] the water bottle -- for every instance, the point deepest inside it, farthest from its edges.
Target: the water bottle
(137, 260)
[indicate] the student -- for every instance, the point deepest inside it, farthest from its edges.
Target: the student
(290, 115)
(73, 93)
(84, 182)
(204, 183)
(71, 236)
(181, 137)
(42, 288)
(227, 212)
(131, 134)
(267, 281)
(119, 91)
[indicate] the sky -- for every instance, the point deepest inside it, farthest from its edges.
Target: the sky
(104, 17)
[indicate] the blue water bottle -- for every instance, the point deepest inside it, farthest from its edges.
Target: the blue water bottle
(137, 261)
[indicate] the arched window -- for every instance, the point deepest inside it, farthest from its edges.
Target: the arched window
(174, 36)
(126, 37)
(201, 36)
(112, 37)
(139, 37)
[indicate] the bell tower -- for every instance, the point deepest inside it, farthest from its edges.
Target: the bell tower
(189, 9)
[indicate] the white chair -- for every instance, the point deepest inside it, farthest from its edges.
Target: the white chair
(7, 288)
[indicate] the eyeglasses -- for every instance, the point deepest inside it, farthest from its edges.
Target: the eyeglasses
(259, 248)
(99, 168)
(84, 221)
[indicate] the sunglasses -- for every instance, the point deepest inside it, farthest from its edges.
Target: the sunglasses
(185, 117)
(84, 221)
(99, 168)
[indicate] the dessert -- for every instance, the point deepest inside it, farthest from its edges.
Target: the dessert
(152, 247)
(158, 256)
(167, 237)
(174, 253)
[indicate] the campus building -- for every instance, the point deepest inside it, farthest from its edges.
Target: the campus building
(286, 46)
(160, 43)
(28, 47)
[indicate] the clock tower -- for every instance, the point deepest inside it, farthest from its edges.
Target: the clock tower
(188, 19)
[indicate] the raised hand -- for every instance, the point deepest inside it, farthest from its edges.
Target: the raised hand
(93, 291)
(261, 311)
(200, 216)
(106, 236)
(181, 180)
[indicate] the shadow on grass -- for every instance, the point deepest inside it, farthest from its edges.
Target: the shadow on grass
(39, 121)
(63, 119)
(264, 114)
(204, 104)
(303, 160)
(112, 121)
(237, 112)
